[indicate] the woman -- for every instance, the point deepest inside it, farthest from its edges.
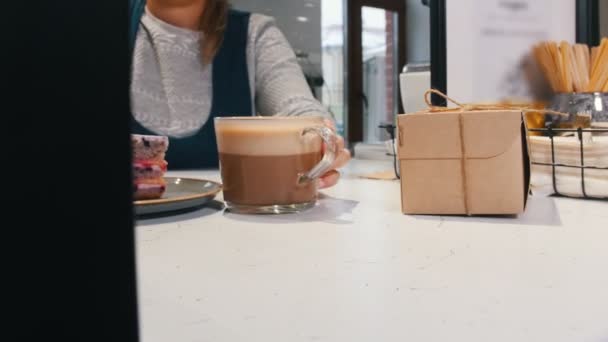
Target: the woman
(194, 60)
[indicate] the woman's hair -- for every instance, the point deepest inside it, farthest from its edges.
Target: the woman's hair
(213, 25)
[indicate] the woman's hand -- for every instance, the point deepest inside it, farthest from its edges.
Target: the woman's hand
(331, 177)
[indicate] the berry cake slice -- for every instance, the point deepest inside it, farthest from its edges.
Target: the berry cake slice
(149, 147)
(149, 169)
(147, 189)
(149, 166)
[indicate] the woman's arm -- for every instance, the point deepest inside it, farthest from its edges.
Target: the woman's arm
(280, 87)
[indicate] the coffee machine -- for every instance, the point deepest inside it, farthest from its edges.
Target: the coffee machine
(414, 80)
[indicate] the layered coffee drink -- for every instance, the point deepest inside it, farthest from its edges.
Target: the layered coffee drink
(264, 162)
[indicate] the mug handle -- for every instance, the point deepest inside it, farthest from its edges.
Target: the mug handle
(331, 151)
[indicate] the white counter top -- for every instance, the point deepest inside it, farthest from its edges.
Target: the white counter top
(355, 269)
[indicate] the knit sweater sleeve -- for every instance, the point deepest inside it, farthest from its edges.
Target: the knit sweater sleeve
(279, 84)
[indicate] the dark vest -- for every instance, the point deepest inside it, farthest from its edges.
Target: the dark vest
(231, 92)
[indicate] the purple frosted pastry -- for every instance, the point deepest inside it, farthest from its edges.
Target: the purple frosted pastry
(149, 147)
(149, 166)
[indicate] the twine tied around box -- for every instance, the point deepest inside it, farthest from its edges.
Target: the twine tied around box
(461, 108)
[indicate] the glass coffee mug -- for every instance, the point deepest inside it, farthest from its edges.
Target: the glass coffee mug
(270, 165)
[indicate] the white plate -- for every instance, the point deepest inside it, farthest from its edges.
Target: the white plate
(181, 194)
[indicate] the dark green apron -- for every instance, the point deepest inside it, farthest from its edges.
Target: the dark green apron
(231, 92)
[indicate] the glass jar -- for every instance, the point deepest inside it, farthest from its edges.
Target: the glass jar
(592, 104)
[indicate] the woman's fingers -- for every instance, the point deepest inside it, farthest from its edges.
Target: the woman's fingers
(330, 123)
(343, 156)
(340, 143)
(341, 159)
(329, 179)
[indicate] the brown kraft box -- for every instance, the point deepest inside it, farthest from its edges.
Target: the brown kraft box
(464, 162)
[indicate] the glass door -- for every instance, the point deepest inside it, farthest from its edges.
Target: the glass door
(380, 69)
(376, 50)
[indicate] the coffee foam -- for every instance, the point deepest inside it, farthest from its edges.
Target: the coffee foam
(268, 137)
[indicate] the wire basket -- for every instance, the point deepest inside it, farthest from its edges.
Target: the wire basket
(551, 132)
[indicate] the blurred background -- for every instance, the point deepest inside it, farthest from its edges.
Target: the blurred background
(317, 31)
(365, 60)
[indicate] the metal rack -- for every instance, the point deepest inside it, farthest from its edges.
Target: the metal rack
(390, 129)
(551, 132)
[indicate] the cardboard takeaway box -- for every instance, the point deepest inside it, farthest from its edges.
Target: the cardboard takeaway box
(463, 162)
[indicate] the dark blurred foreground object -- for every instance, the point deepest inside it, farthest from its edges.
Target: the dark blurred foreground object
(66, 204)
